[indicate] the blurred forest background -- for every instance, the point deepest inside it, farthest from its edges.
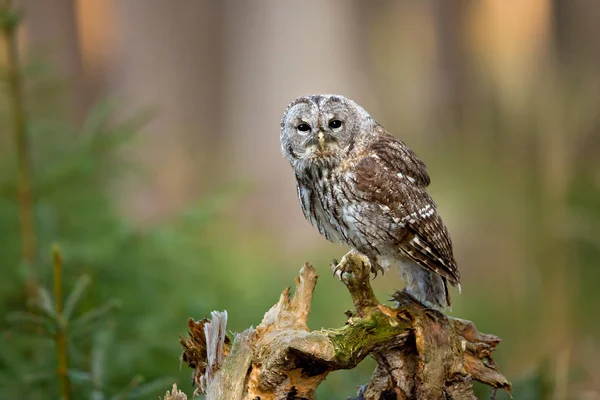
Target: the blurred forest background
(152, 155)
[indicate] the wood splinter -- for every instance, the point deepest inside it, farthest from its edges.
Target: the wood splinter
(420, 353)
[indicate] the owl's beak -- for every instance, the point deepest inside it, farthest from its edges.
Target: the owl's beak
(321, 137)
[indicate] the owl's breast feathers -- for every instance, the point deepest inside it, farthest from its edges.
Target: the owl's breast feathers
(388, 174)
(321, 205)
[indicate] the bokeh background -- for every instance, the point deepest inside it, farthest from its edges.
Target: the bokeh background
(154, 164)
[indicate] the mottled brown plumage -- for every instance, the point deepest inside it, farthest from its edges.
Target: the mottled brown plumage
(359, 185)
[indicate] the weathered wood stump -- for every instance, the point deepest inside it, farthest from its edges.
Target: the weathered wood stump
(420, 353)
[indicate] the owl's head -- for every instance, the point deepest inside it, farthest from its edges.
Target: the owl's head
(320, 130)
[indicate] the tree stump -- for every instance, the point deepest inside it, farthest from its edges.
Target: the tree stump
(421, 353)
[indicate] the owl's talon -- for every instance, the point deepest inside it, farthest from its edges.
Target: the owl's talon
(375, 269)
(334, 266)
(340, 268)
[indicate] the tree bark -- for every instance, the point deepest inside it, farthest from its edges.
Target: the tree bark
(421, 353)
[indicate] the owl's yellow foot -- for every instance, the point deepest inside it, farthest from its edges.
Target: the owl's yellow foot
(348, 262)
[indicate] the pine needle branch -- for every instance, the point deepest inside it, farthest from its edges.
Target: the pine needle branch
(61, 328)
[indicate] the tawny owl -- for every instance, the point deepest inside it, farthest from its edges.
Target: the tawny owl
(359, 185)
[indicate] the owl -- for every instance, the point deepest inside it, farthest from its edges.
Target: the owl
(361, 186)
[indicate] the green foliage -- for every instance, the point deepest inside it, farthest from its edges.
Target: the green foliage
(130, 290)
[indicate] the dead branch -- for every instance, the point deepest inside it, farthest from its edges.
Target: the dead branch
(420, 353)
(175, 394)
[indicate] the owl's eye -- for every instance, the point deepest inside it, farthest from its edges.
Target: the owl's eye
(335, 123)
(303, 127)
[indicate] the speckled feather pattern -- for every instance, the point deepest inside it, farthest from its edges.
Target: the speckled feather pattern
(367, 189)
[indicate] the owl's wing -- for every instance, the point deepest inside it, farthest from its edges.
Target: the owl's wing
(420, 233)
(397, 156)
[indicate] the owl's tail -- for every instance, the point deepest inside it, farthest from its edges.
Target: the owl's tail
(426, 286)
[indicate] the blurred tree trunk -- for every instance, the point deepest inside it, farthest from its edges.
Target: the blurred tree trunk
(167, 60)
(576, 31)
(51, 29)
(277, 51)
(451, 75)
